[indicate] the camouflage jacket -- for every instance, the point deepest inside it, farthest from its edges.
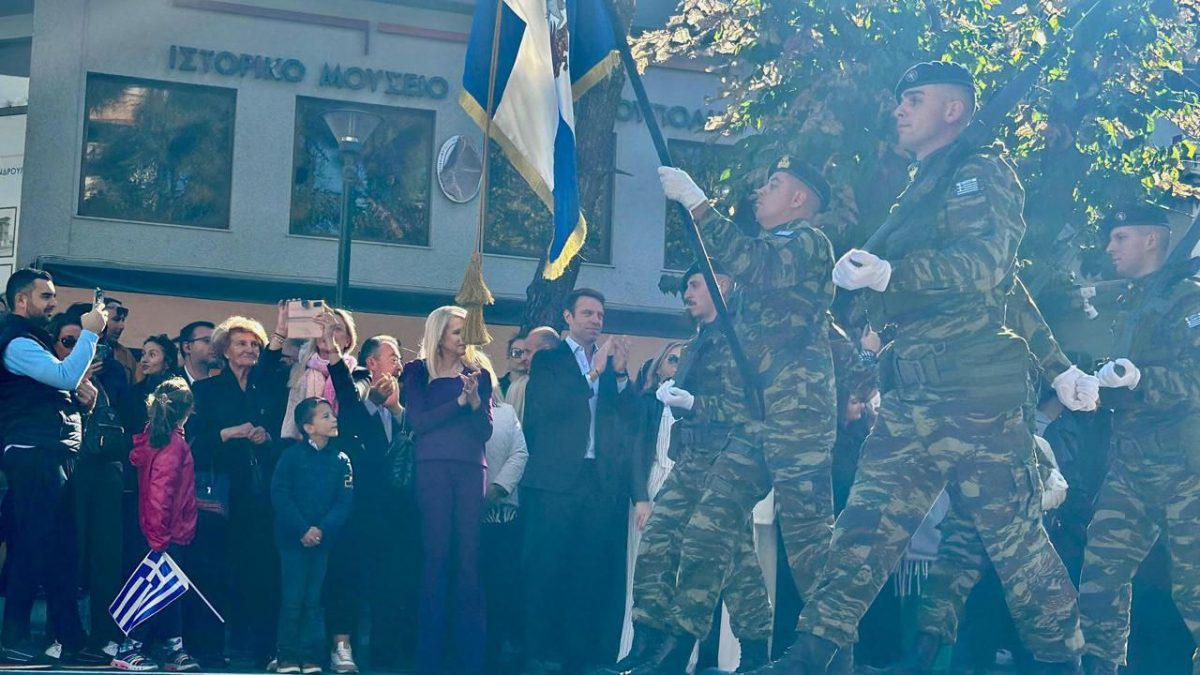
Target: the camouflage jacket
(785, 290)
(952, 267)
(1022, 316)
(708, 373)
(1166, 349)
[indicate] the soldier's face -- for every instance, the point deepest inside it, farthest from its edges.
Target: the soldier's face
(1133, 250)
(927, 118)
(776, 202)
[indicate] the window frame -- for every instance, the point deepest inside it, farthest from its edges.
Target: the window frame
(83, 143)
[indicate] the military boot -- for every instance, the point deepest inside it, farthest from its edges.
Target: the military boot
(754, 655)
(809, 655)
(1058, 667)
(919, 660)
(1094, 665)
(671, 659)
(647, 643)
(843, 662)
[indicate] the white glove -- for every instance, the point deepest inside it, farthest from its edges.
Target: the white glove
(1108, 376)
(1054, 491)
(674, 397)
(678, 186)
(1076, 389)
(860, 269)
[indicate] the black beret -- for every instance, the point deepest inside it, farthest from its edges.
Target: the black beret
(807, 175)
(934, 72)
(718, 269)
(1137, 215)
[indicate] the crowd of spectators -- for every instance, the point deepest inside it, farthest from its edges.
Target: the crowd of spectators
(341, 508)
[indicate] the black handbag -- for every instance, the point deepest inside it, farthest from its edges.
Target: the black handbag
(401, 456)
(104, 436)
(212, 491)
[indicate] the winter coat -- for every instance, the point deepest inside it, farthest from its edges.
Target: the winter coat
(166, 490)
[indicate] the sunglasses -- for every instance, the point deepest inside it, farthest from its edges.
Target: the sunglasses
(517, 352)
(206, 340)
(673, 359)
(121, 314)
(68, 341)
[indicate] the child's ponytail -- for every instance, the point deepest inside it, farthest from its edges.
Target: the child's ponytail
(167, 407)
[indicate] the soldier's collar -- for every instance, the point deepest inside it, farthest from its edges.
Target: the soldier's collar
(789, 229)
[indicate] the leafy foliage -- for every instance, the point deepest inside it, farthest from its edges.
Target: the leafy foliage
(814, 79)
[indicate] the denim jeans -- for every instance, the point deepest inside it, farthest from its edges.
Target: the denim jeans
(301, 616)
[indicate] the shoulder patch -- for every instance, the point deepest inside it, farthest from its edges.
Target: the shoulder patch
(966, 187)
(1193, 321)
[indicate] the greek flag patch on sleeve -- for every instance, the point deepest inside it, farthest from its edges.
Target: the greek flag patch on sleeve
(966, 187)
(1193, 321)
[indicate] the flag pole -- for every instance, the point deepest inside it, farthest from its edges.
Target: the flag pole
(187, 580)
(474, 293)
(753, 392)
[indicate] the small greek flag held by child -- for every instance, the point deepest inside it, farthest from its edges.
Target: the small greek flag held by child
(157, 582)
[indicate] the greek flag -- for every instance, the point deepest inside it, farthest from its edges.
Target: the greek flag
(549, 53)
(156, 583)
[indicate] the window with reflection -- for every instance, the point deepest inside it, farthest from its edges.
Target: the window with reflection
(708, 164)
(157, 152)
(519, 224)
(392, 194)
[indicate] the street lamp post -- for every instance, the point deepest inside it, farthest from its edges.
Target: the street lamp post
(351, 128)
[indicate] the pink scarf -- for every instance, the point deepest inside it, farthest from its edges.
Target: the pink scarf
(322, 385)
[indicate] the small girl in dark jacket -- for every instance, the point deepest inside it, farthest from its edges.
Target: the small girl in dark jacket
(311, 492)
(167, 515)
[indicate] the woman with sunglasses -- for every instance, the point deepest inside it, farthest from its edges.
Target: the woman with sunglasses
(651, 439)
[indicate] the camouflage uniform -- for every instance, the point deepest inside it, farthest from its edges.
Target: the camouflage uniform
(955, 385)
(697, 441)
(1153, 482)
(962, 556)
(783, 301)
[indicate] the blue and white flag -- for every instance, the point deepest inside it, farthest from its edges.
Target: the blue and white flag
(156, 583)
(550, 52)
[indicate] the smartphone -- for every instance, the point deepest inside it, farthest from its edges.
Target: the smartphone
(98, 297)
(102, 352)
(302, 318)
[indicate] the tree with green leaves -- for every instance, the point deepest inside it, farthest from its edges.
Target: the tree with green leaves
(814, 79)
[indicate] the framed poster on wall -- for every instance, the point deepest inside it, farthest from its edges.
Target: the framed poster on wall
(6, 270)
(8, 232)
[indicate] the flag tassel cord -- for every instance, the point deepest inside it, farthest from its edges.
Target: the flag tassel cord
(474, 293)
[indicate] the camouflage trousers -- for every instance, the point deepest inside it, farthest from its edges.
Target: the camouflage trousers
(918, 447)
(797, 446)
(699, 542)
(1139, 501)
(962, 559)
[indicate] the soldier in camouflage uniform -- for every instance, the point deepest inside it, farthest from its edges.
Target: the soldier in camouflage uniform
(962, 555)
(697, 439)
(955, 383)
(784, 297)
(1153, 484)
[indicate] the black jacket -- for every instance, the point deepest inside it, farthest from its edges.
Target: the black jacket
(644, 441)
(33, 413)
(221, 403)
(557, 419)
(362, 436)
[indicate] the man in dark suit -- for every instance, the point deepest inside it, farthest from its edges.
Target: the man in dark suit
(575, 493)
(373, 565)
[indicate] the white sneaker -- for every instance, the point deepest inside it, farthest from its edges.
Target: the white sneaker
(111, 648)
(341, 659)
(55, 650)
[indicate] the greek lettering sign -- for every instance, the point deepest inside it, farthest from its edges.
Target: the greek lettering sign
(293, 71)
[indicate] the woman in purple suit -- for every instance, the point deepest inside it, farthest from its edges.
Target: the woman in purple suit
(448, 394)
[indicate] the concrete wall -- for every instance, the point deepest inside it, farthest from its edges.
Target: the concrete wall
(132, 38)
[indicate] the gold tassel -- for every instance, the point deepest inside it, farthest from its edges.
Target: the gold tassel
(473, 296)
